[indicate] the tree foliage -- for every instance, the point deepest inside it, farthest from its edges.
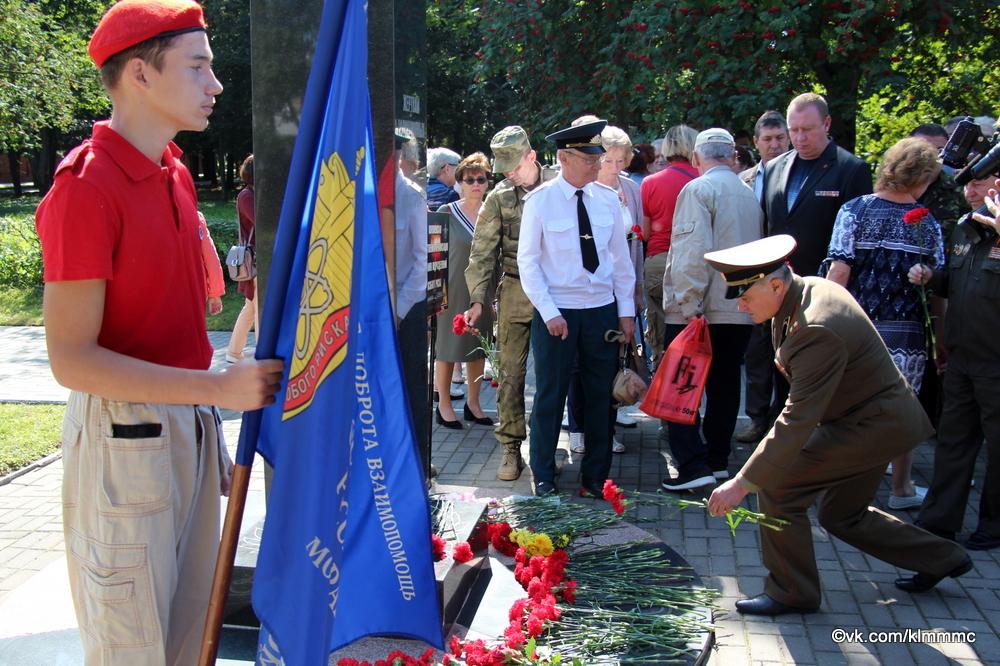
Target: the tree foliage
(46, 78)
(229, 137)
(466, 106)
(649, 64)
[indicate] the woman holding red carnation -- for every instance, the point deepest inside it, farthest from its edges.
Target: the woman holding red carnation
(876, 238)
(453, 344)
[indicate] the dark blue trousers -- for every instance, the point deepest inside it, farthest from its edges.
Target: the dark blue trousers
(554, 359)
(722, 403)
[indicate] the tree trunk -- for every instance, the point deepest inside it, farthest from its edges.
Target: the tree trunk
(841, 85)
(44, 163)
(209, 165)
(14, 158)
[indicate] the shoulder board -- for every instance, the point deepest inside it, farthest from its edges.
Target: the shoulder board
(75, 156)
(609, 189)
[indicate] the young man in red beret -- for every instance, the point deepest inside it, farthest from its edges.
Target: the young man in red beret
(125, 327)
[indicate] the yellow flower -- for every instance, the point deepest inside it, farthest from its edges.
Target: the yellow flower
(542, 545)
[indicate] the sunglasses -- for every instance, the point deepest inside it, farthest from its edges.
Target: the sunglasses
(479, 179)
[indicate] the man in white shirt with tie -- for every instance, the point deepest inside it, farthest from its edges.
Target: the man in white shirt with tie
(575, 269)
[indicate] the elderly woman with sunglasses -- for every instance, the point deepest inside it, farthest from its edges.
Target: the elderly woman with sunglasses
(473, 181)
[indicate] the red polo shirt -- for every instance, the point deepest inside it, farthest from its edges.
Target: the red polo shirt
(114, 215)
(659, 197)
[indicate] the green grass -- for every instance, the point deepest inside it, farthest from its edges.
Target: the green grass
(21, 306)
(28, 433)
(21, 299)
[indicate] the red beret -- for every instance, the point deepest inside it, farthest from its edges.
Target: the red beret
(130, 22)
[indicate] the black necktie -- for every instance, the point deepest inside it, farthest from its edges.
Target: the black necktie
(588, 248)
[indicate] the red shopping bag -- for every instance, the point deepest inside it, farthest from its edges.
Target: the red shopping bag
(679, 383)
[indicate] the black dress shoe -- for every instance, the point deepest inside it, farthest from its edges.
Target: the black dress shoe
(543, 488)
(921, 582)
(469, 416)
(454, 396)
(981, 541)
(765, 605)
(454, 425)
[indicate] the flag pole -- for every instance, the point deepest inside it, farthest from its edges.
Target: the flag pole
(224, 565)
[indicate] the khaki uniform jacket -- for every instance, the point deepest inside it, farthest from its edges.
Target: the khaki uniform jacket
(840, 374)
(498, 228)
(714, 211)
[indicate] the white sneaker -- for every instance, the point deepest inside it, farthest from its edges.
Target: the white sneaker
(888, 470)
(617, 446)
(909, 502)
(576, 442)
(624, 420)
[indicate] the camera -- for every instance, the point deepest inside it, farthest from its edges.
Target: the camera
(967, 149)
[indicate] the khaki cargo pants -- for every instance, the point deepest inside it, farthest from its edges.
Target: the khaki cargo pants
(514, 313)
(141, 521)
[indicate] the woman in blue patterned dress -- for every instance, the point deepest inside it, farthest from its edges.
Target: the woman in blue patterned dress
(876, 238)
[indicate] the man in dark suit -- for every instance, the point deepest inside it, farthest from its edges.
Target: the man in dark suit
(770, 138)
(850, 412)
(803, 190)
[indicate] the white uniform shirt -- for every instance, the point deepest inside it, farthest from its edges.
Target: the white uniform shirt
(411, 244)
(549, 257)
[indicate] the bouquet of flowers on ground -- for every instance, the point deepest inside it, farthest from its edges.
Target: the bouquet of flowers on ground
(460, 327)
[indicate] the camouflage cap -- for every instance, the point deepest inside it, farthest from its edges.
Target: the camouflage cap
(509, 145)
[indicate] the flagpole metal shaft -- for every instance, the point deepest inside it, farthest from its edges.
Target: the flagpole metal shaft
(224, 565)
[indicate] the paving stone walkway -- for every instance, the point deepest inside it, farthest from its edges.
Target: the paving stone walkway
(858, 590)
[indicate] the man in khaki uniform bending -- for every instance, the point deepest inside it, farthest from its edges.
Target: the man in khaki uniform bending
(497, 230)
(849, 412)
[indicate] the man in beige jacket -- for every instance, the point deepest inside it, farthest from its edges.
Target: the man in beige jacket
(714, 211)
(849, 412)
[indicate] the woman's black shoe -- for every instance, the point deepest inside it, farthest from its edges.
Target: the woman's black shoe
(481, 420)
(454, 425)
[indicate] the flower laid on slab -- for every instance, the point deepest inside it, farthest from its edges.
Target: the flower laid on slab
(614, 495)
(438, 547)
(461, 552)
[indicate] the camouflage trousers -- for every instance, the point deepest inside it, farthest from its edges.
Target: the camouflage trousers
(514, 313)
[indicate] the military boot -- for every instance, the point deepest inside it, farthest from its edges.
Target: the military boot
(511, 464)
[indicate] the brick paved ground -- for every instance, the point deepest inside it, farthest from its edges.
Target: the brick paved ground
(858, 590)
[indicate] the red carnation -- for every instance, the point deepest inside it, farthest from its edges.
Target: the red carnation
(534, 626)
(462, 552)
(458, 325)
(438, 547)
(569, 592)
(455, 645)
(514, 637)
(500, 538)
(915, 215)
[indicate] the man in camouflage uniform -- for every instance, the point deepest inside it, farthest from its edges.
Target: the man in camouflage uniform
(497, 230)
(943, 196)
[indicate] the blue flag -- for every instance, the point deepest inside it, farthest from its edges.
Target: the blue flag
(346, 547)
